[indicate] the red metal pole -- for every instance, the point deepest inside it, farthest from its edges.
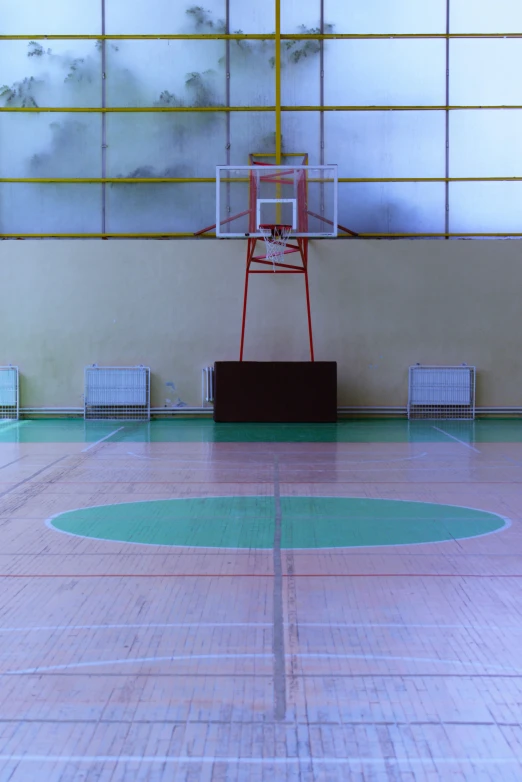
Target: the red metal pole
(250, 252)
(304, 253)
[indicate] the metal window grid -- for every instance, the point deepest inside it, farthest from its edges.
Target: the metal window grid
(441, 392)
(9, 393)
(280, 39)
(117, 393)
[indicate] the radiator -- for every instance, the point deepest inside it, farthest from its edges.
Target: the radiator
(9, 396)
(443, 392)
(117, 393)
(207, 385)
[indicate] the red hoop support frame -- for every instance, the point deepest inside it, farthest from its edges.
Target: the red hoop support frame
(300, 247)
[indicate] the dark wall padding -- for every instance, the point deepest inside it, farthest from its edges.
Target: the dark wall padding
(275, 391)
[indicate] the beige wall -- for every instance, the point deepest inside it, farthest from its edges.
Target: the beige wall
(377, 307)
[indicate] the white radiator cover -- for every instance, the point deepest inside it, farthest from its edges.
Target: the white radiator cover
(9, 396)
(441, 391)
(117, 392)
(207, 385)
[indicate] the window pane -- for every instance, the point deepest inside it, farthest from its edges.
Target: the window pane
(255, 16)
(50, 145)
(483, 16)
(486, 72)
(165, 145)
(155, 208)
(163, 16)
(386, 144)
(385, 73)
(57, 73)
(250, 132)
(301, 75)
(252, 75)
(165, 73)
(392, 207)
(486, 207)
(485, 143)
(296, 15)
(47, 209)
(383, 16)
(63, 17)
(302, 133)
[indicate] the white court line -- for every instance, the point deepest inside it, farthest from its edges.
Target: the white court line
(226, 464)
(17, 425)
(204, 625)
(279, 761)
(102, 439)
(457, 439)
(254, 656)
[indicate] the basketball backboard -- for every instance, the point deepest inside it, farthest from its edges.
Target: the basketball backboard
(304, 197)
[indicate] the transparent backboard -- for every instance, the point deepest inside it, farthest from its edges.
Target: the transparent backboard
(304, 197)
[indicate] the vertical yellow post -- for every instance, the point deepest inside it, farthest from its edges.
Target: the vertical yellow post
(278, 79)
(277, 42)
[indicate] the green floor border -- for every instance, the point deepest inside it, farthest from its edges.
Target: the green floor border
(205, 430)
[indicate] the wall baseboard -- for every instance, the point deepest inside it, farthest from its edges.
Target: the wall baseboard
(177, 412)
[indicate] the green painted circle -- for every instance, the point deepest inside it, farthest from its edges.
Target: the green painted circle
(306, 522)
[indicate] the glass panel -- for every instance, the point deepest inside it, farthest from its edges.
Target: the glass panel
(386, 144)
(385, 73)
(155, 208)
(250, 132)
(299, 17)
(166, 73)
(57, 73)
(302, 133)
(50, 145)
(383, 16)
(163, 16)
(47, 209)
(254, 16)
(64, 17)
(165, 145)
(301, 77)
(252, 75)
(486, 207)
(485, 72)
(483, 16)
(485, 143)
(392, 207)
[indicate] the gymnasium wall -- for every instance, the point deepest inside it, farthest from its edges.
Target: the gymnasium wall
(377, 307)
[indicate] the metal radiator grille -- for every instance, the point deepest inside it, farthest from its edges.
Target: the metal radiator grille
(117, 393)
(9, 397)
(444, 393)
(207, 385)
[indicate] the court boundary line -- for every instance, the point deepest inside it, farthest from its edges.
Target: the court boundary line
(101, 440)
(276, 760)
(462, 442)
(508, 670)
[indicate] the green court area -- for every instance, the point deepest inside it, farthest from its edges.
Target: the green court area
(188, 430)
(306, 522)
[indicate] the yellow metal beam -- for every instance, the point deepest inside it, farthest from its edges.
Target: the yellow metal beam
(212, 180)
(260, 36)
(220, 109)
(167, 235)
(278, 81)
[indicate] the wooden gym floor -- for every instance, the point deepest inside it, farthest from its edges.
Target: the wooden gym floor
(269, 603)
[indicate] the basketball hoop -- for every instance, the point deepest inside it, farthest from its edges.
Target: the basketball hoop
(276, 239)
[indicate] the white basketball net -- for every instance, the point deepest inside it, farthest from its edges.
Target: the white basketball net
(276, 239)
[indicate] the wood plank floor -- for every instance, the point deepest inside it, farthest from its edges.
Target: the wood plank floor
(123, 662)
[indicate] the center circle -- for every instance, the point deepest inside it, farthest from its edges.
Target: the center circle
(305, 522)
